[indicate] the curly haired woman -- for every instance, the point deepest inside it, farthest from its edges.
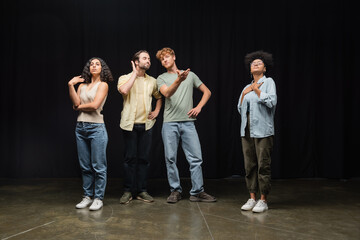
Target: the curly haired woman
(256, 106)
(91, 135)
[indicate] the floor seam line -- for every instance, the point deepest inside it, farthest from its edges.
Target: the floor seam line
(261, 225)
(207, 225)
(28, 230)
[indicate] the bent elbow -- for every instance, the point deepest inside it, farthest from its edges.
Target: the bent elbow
(94, 106)
(165, 94)
(123, 92)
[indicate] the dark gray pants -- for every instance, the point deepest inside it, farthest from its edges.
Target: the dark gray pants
(257, 158)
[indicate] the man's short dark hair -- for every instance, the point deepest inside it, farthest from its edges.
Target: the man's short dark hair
(137, 55)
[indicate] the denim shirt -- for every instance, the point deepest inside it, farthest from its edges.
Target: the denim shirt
(261, 109)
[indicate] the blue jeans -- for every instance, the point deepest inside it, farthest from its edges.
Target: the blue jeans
(172, 132)
(136, 162)
(92, 139)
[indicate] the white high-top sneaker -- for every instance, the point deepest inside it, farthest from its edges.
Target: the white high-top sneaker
(96, 205)
(86, 201)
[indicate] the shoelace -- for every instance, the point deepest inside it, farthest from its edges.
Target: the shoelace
(260, 203)
(250, 202)
(85, 200)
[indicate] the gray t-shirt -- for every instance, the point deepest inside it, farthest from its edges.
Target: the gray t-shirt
(181, 102)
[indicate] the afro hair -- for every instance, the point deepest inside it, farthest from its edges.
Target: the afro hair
(264, 56)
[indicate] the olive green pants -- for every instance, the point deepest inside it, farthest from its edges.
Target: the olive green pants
(257, 158)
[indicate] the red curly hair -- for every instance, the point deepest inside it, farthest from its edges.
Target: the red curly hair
(162, 52)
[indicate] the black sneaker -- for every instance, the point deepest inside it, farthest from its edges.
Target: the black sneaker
(174, 197)
(202, 197)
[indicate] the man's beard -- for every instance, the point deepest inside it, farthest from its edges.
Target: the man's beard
(144, 67)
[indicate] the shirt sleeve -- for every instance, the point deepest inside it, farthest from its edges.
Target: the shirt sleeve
(268, 96)
(239, 103)
(160, 81)
(122, 80)
(196, 80)
(156, 92)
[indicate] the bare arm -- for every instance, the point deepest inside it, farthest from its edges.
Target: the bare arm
(101, 93)
(155, 113)
(75, 96)
(168, 91)
(205, 97)
(126, 87)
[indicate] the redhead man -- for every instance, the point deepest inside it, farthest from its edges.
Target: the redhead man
(179, 116)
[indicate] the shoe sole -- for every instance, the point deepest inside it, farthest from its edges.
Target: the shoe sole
(95, 209)
(171, 201)
(144, 200)
(202, 200)
(127, 201)
(246, 209)
(83, 207)
(259, 211)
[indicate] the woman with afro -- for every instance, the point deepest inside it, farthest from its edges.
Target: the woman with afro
(256, 106)
(90, 132)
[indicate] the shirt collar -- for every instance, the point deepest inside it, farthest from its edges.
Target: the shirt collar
(260, 80)
(145, 77)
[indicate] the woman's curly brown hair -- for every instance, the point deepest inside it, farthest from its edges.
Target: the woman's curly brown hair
(105, 74)
(264, 56)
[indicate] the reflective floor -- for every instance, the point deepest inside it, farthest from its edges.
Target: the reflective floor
(298, 209)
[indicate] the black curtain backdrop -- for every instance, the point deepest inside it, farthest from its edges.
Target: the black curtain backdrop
(45, 43)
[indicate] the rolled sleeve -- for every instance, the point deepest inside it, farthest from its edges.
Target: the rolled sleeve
(268, 97)
(239, 103)
(156, 92)
(123, 79)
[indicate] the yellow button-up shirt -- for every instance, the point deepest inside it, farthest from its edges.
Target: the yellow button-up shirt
(128, 113)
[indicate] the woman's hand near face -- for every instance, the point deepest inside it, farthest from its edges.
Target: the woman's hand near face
(76, 80)
(74, 96)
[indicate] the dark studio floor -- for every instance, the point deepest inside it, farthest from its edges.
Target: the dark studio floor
(298, 209)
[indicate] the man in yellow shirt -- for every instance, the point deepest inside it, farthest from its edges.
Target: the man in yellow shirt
(137, 120)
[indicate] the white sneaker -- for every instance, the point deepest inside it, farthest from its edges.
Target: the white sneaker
(96, 205)
(261, 206)
(86, 201)
(249, 205)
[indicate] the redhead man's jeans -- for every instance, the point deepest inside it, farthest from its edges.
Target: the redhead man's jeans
(172, 132)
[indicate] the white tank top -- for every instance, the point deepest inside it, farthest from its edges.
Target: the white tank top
(88, 96)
